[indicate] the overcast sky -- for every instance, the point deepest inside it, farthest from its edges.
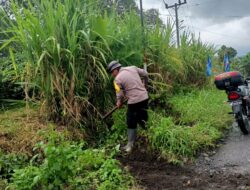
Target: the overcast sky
(219, 22)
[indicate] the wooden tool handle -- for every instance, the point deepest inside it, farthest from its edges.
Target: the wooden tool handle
(113, 109)
(110, 112)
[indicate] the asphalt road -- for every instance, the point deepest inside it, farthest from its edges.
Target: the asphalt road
(232, 156)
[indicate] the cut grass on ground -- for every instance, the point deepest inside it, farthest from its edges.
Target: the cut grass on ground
(19, 130)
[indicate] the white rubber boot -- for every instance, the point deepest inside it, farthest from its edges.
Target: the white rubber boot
(131, 139)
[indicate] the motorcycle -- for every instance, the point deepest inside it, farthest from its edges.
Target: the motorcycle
(238, 93)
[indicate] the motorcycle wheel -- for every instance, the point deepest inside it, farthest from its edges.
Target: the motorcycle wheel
(243, 123)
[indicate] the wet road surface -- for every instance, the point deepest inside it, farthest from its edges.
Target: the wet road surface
(233, 155)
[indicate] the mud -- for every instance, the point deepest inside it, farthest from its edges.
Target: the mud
(227, 167)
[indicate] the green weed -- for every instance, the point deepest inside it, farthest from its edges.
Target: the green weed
(11, 162)
(197, 123)
(118, 132)
(202, 106)
(71, 166)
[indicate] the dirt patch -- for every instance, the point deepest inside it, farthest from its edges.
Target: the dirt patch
(153, 174)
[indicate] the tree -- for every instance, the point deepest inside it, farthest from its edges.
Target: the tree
(244, 64)
(152, 17)
(121, 5)
(226, 50)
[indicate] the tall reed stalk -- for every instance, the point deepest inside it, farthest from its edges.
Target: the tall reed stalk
(66, 46)
(65, 56)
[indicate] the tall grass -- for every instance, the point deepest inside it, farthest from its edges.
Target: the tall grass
(194, 55)
(202, 106)
(128, 46)
(163, 54)
(66, 46)
(180, 67)
(197, 122)
(65, 55)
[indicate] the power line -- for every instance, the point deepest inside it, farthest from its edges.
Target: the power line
(176, 6)
(199, 1)
(227, 16)
(216, 33)
(171, 16)
(186, 10)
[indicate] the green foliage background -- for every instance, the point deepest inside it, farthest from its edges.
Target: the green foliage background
(67, 45)
(56, 53)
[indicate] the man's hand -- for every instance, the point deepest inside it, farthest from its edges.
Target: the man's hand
(119, 104)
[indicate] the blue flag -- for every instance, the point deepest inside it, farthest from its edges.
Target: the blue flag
(209, 66)
(226, 63)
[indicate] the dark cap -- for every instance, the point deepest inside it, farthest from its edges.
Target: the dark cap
(113, 65)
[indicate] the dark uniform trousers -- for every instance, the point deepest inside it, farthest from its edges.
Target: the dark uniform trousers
(137, 114)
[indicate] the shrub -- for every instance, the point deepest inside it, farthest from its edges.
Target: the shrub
(11, 162)
(70, 166)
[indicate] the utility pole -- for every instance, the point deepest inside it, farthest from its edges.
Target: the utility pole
(141, 13)
(142, 25)
(143, 37)
(176, 6)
